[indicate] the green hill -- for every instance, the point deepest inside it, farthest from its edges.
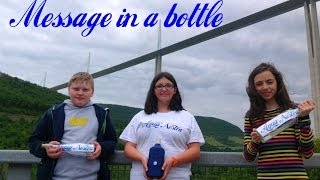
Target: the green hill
(22, 104)
(21, 97)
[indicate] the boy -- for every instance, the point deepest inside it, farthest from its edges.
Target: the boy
(76, 120)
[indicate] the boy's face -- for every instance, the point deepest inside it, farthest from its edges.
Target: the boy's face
(80, 93)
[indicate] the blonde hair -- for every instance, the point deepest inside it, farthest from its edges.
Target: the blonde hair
(82, 76)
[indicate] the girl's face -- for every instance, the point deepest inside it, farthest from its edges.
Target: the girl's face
(266, 85)
(164, 90)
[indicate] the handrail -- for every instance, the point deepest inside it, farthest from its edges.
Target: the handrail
(21, 161)
(230, 159)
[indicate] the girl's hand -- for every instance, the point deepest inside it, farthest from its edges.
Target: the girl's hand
(167, 165)
(255, 136)
(306, 107)
(144, 162)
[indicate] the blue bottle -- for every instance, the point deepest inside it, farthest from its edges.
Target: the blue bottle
(155, 161)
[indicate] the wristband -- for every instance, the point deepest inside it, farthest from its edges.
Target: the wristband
(175, 161)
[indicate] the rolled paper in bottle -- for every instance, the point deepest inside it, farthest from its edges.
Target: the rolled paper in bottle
(75, 148)
(277, 124)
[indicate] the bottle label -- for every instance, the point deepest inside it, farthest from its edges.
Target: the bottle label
(277, 124)
(77, 148)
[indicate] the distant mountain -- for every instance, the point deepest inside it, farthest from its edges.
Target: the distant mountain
(219, 134)
(22, 103)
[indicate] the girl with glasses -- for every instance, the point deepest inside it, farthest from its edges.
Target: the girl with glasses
(163, 120)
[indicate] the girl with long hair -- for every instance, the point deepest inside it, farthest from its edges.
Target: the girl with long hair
(281, 157)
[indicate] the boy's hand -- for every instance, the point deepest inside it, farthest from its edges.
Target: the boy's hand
(306, 107)
(54, 152)
(97, 150)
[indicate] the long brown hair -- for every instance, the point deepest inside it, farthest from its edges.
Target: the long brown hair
(257, 103)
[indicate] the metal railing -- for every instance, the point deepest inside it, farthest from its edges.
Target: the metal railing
(20, 162)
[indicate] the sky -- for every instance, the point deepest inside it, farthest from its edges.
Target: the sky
(212, 76)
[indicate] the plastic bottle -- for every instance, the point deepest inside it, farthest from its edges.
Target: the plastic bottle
(155, 161)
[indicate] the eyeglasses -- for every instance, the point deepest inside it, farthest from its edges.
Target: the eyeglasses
(167, 86)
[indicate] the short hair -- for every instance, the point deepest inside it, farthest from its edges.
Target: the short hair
(151, 104)
(82, 76)
(257, 103)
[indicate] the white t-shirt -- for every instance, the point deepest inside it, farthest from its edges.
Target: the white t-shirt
(174, 129)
